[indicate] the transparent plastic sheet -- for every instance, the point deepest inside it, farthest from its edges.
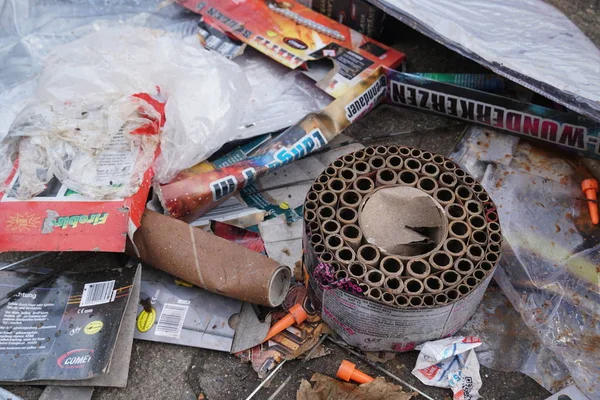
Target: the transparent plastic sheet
(549, 268)
(527, 41)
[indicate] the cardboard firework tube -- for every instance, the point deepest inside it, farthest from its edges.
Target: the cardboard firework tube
(468, 180)
(364, 185)
(376, 162)
(495, 237)
(331, 171)
(492, 258)
(459, 172)
(391, 266)
(338, 163)
(317, 187)
(319, 249)
(325, 212)
(413, 286)
(452, 295)
(494, 248)
(463, 289)
(323, 179)
(426, 156)
(438, 160)
(416, 153)
(459, 230)
(448, 180)
(361, 168)
(345, 255)
(412, 164)
(441, 299)
(316, 238)
(474, 207)
(441, 260)
(455, 247)
(401, 301)
(464, 266)
(312, 196)
(310, 216)
(494, 226)
(364, 288)
(350, 198)
(450, 278)
(393, 284)
(334, 242)
(393, 150)
(431, 170)
(475, 253)
(385, 176)
(348, 175)
(370, 151)
(415, 301)
(477, 222)
(311, 205)
(455, 212)
(427, 184)
(471, 281)
(428, 300)
(408, 178)
(348, 159)
(368, 255)
(388, 298)
(418, 268)
(444, 196)
(394, 162)
(374, 278)
(374, 293)
(330, 227)
(209, 261)
(328, 198)
(483, 197)
(352, 235)
(463, 192)
(479, 237)
(479, 274)
(326, 257)
(433, 284)
(449, 166)
(336, 185)
(341, 274)
(357, 270)
(347, 215)
(312, 226)
(359, 155)
(381, 150)
(486, 266)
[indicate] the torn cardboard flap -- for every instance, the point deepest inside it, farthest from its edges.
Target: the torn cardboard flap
(402, 220)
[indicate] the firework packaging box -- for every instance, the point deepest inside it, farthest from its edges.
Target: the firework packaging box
(356, 14)
(295, 36)
(73, 327)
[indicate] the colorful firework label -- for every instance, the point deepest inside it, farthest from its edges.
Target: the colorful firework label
(64, 329)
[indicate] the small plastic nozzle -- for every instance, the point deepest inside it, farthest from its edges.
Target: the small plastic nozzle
(347, 372)
(296, 315)
(589, 188)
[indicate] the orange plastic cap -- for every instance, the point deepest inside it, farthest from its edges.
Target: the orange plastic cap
(347, 372)
(588, 184)
(299, 313)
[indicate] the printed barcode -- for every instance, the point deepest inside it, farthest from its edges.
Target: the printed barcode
(171, 320)
(96, 293)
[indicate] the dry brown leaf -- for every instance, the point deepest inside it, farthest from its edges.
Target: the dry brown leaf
(326, 388)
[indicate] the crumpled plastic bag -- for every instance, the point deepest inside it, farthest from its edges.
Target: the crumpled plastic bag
(86, 127)
(451, 363)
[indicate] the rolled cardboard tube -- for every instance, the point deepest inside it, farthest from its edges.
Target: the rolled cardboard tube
(310, 216)
(455, 247)
(468, 180)
(415, 301)
(492, 258)
(439, 160)
(391, 266)
(350, 198)
(374, 278)
(326, 257)
(479, 274)
(450, 278)
(475, 253)
(336, 185)
(370, 151)
(455, 212)
(363, 287)
(474, 207)
(491, 216)
(407, 178)
(463, 192)
(464, 266)
(368, 255)
(412, 164)
(431, 170)
(486, 266)
(463, 289)
(441, 261)
(312, 226)
(495, 237)
(359, 155)
(428, 300)
(448, 179)
(477, 188)
(352, 235)
(416, 153)
(209, 261)
(331, 171)
(393, 150)
(494, 248)
(418, 268)
(381, 150)
(325, 212)
(317, 187)
(413, 286)
(459, 172)
(357, 270)
(354, 280)
(385, 176)
(393, 284)
(376, 162)
(347, 215)
(401, 301)
(394, 162)
(348, 159)
(477, 222)
(341, 274)
(334, 242)
(347, 174)
(440, 299)
(459, 229)
(361, 168)
(330, 227)
(316, 238)
(404, 151)
(449, 166)
(312, 196)
(335, 266)
(471, 281)
(345, 255)
(452, 295)
(433, 284)
(388, 298)
(363, 185)
(323, 179)
(374, 293)
(338, 163)
(444, 196)
(311, 205)
(426, 156)
(479, 237)
(427, 184)
(319, 249)
(483, 197)
(328, 198)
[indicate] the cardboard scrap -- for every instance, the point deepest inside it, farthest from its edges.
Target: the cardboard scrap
(328, 388)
